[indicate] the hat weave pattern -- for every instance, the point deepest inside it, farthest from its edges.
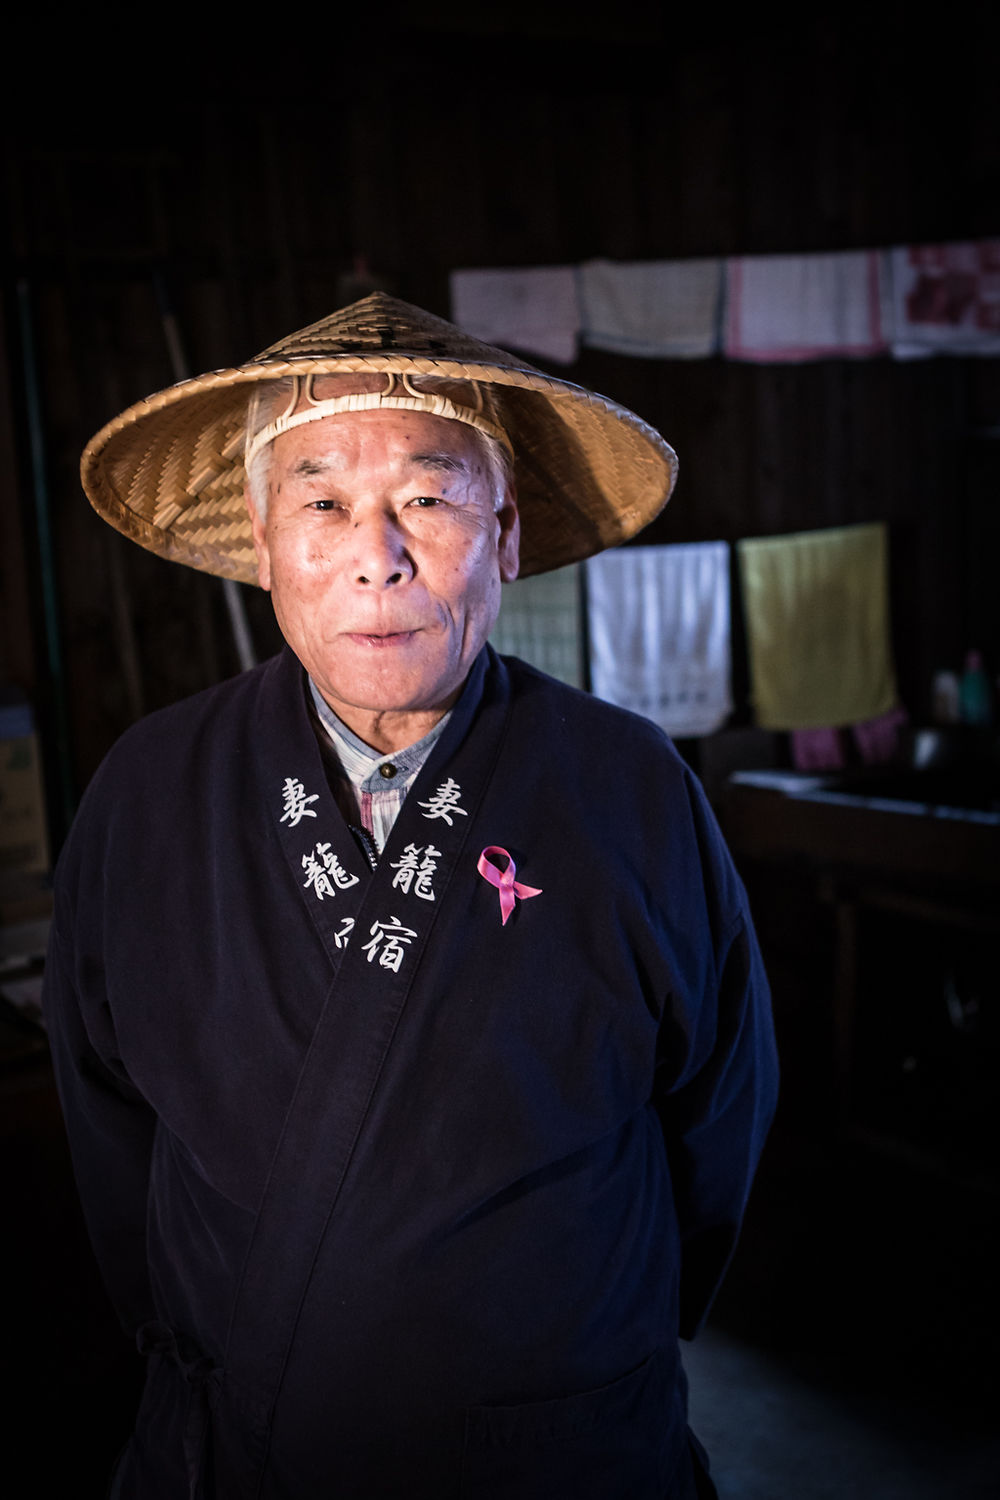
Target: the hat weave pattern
(168, 472)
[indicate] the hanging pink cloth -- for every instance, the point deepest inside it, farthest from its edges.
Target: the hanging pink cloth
(878, 739)
(817, 750)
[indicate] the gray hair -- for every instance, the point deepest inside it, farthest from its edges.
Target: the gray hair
(267, 399)
(270, 398)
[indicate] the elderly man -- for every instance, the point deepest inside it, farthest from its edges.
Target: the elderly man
(411, 1031)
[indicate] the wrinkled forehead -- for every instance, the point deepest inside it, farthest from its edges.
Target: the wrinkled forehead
(393, 443)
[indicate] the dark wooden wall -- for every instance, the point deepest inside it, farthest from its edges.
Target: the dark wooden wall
(249, 172)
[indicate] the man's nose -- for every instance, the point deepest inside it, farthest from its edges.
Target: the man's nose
(380, 556)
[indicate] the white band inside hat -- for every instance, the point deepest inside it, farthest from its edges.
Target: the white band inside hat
(413, 400)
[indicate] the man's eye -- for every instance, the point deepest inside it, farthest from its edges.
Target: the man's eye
(323, 505)
(425, 501)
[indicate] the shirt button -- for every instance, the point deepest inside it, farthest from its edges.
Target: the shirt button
(387, 771)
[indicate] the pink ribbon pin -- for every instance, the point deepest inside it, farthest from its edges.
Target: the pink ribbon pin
(504, 881)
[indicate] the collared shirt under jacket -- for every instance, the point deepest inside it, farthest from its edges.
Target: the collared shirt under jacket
(402, 1199)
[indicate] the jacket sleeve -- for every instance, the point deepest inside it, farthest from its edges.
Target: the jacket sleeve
(716, 1111)
(109, 1125)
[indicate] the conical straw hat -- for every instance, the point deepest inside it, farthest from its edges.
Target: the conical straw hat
(168, 472)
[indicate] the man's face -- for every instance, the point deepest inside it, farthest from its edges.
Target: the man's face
(384, 554)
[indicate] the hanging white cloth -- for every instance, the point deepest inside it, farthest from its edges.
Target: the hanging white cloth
(660, 633)
(788, 308)
(535, 310)
(652, 309)
(540, 620)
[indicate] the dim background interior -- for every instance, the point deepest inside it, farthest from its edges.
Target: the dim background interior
(246, 181)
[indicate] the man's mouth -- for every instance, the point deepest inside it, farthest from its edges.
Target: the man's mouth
(381, 639)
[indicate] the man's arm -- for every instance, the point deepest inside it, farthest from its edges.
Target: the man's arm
(110, 1129)
(717, 1079)
(715, 1124)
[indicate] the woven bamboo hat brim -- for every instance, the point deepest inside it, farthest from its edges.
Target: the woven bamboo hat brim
(168, 472)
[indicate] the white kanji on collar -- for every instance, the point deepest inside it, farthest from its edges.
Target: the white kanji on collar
(296, 802)
(388, 943)
(445, 802)
(324, 872)
(413, 871)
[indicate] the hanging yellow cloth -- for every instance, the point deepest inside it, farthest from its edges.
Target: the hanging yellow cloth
(817, 614)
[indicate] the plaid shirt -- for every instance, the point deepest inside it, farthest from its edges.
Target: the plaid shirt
(376, 784)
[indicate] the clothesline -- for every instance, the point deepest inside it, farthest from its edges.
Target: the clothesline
(907, 302)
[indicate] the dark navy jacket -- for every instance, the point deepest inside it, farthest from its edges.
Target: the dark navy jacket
(400, 1199)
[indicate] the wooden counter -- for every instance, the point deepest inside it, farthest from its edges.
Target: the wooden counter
(880, 925)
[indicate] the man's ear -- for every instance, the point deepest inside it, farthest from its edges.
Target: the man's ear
(259, 532)
(509, 543)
